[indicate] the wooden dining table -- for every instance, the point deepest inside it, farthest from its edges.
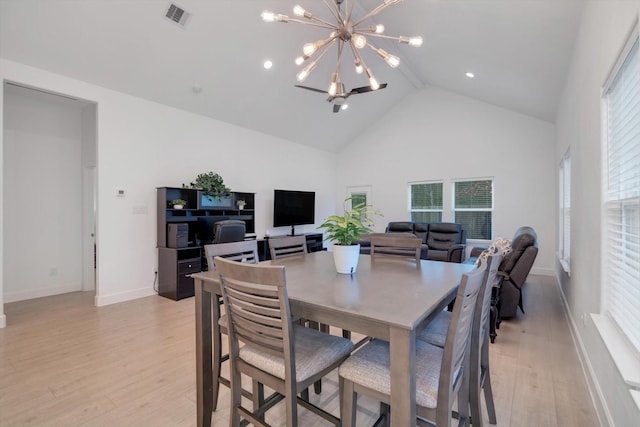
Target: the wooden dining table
(389, 298)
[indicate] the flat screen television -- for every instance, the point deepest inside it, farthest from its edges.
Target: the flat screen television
(291, 208)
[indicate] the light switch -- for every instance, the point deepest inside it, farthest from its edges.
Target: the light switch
(120, 192)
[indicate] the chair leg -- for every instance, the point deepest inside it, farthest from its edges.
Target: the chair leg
(488, 397)
(217, 357)
(236, 398)
(348, 403)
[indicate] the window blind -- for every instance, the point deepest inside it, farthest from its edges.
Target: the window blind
(426, 201)
(621, 269)
(473, 207)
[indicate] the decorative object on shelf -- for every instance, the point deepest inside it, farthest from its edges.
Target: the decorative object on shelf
(241, 204)
(344, 229)
(211, 183)
(345, 30)
(178, 203)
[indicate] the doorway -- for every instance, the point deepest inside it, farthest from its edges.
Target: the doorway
(49, 161)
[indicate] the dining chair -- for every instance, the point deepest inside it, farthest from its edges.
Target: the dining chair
(245, 251)
(396, 244)
(480, 379)
(441, 374)
(275, 351)
(282, 247)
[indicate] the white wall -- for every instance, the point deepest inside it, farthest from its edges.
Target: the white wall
(439, 135)
(603, 32)
(42, 175)
(143, 145)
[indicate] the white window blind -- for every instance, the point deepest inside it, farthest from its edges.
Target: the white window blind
(473, 207)
(621, 268)
(564, 239)
(425, 201)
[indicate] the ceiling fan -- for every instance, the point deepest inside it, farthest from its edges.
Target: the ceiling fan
(340, 95)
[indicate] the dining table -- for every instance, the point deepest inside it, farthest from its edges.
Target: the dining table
(387, 297)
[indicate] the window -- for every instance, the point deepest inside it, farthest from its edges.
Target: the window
(621, 194)
(564, 238)
(473, 207)
(425, 201)
(359, 195)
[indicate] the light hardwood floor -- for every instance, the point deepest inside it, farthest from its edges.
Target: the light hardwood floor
(64, 362)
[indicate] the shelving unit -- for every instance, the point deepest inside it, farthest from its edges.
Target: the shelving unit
(184, 256)
(314, 244)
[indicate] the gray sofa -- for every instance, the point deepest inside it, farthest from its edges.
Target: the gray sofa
(441, 241)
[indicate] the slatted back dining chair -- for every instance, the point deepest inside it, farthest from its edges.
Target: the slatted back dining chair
(267, 346)
(436, 331)
(442, 374)
(244, 251)
(282, 247)
(396, 244)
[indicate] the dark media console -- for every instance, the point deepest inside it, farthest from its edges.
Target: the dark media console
(182, 233)
(314, 244)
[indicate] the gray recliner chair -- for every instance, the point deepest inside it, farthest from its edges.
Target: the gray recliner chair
(514, 270)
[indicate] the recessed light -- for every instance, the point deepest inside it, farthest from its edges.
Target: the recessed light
(470, 75)
(267, 64)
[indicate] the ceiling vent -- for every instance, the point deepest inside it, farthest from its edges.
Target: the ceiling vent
(177, 15)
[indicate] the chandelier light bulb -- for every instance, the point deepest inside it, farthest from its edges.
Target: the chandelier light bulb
(302, 75)
(299, 60)
(411, 41)
(379, 29)
(268, 16)
(298, 10)
(374, 83)
(359, 40)
(309, 49)
(333, 89)
(359, 67)
(393, 61)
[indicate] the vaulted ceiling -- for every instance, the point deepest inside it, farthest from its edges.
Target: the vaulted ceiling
(519, 51)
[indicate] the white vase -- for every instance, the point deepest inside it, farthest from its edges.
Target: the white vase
(346, 258)
(178, 206)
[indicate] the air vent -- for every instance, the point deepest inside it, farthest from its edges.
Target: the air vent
(177, 15)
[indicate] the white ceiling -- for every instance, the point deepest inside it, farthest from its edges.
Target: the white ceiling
(519, 51)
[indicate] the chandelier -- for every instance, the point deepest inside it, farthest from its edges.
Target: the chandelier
(347, 32)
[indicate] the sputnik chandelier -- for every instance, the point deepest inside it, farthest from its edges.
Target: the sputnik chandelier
(353, 33)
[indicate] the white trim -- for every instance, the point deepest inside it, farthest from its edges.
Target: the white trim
(123, 296)
(622, 352)
(3, 321)
(595, 391)
(635, 395)
(41, 292)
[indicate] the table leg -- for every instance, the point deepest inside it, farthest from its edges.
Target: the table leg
(403, 379)
(204, 374)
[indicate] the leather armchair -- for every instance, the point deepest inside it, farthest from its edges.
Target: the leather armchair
(514, 270)
(231, 230)
(446, 241)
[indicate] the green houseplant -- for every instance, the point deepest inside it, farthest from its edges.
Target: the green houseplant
(344, 229)
(178, 203)
(211, 184)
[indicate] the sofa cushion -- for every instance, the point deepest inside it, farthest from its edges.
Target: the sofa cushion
(522, 239)
(421, 229)
(400, 227)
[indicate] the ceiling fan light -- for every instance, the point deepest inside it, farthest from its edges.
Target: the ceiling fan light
(359, 40)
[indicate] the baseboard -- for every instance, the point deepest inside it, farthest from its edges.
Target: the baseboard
(39, 293)
(101, 300)
(543, 271)
(595, 391)
(3, 321)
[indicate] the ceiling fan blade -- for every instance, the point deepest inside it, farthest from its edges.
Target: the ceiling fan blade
(365, 89)
(311, 88)
(337, 108)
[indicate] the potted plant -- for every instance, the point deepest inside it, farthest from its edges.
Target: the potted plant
(211, 184)
(241, 204)
(344, 229)
(178, 203)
